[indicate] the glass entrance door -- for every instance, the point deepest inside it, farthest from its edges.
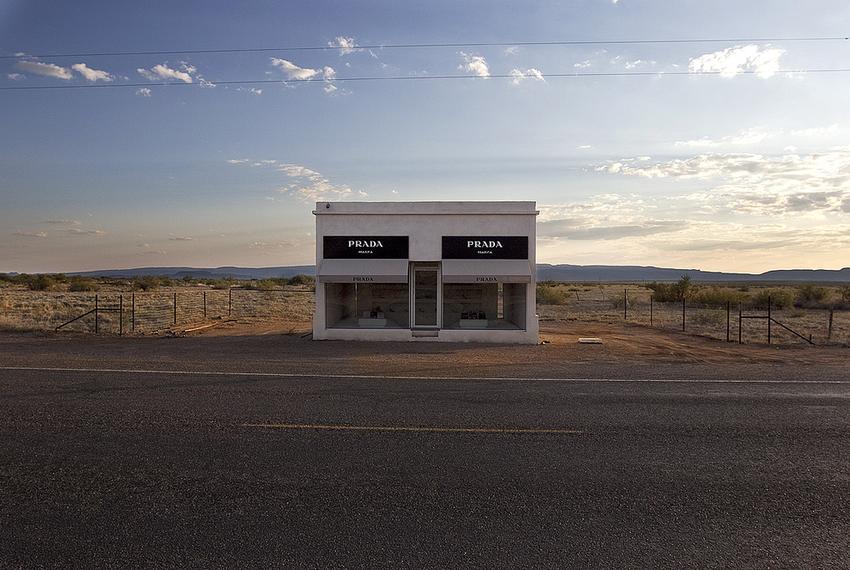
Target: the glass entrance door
(426, 290)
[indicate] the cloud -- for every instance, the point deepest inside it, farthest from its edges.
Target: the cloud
(62, 222)
(816, 131)
(474, 64)
(83, 232)
(90, 74)
(639, 63)
(309, 185)
(755, 135)
(162, 71)
(749, 136)
(31, 234)
(15, 76)
(292, 71)
(517, 75)
(583, 64)
(45, 69)
(579, 229)
(511, 50)
(303, 183)
(584, 147)
(179, 238)
(755, 183)
(764, 62)
(154, 252)
(345, 45)
(143, 92)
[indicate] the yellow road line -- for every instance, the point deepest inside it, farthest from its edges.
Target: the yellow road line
(431, 429)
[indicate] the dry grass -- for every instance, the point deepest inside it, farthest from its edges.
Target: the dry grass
(154, 310)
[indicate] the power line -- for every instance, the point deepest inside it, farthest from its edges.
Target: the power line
(435, 45)
(209, 83)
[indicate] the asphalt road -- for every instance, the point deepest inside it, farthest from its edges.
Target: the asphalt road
(117, 469)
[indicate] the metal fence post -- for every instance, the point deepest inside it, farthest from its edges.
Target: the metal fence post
(625, 304)
(769, 319)
(728, 309)
(829, 329)
(740, 324)
(229, 301)
(96, 315)
(683, 313)
(121, 315)
(650, 308)
(205, 305)
(175, 308)
(133, 312)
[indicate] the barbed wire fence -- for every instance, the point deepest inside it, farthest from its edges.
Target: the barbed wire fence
(125, 313)
(734, 322)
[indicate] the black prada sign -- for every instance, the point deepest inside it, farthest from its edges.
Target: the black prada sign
(365, 247)
(485, 247)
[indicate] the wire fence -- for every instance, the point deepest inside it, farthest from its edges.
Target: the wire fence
(118, 312)
(733, 322)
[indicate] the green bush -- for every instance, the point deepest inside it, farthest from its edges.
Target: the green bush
(150, 282)
(551, 295)
(779, 299)
(717, 296)
(40, 282)
(301, 279)
(78, 284)
(811, 297)
(666, 292)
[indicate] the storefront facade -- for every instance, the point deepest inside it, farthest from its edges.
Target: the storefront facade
(430, 271)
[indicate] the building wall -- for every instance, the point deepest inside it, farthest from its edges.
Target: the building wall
(426, 223)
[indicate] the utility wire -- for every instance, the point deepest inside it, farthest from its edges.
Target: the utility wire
(436, 45)
(209, 83)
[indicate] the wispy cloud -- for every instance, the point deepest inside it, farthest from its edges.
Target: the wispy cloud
(143, 92)
(518, 75)
(173, 237)
(345, 45)
(80, 232)
(763, 61)
(755, 183)
(90, 74)
(474, 64)
(31, 234)
(162, 71)
(45, 69)
(62, 222)
(304, 183)
(293, 71)
(15, 76)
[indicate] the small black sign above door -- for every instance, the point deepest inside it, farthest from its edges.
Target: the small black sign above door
(365, 247)
(485, 247)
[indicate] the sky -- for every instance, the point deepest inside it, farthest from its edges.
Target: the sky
(719, 156)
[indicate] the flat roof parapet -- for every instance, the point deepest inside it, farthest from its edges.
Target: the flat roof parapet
(446, 208)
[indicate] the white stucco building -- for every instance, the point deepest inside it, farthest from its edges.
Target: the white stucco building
(430, 271)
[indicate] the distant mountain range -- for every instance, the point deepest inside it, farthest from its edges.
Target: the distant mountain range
(545, 271)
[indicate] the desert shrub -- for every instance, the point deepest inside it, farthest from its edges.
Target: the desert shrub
(717, 296)
(39, 282)
(811, 296)
(551, 295)
(666, 292)
(78, 284)
(219, 283)
(301, 279)
(150, 282)
(779, 299)
(844, 291)
(267, 284)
